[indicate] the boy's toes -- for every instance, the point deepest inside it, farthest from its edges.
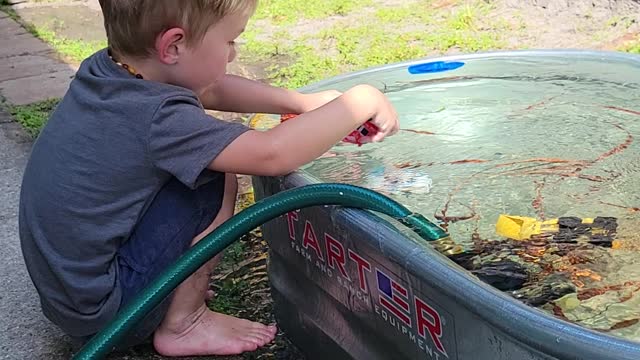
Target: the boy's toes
(262, 337)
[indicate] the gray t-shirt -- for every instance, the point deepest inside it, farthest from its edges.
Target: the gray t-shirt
(108, 148)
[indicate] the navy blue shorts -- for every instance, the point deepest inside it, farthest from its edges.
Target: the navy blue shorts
(165, 232)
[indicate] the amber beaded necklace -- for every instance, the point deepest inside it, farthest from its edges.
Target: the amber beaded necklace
(127, 67)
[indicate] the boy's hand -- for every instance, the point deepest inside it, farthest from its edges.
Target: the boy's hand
(385, 117)
(313, 101)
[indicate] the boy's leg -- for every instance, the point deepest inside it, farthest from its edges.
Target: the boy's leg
(189, 328)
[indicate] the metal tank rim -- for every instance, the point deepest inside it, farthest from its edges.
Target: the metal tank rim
(600, 55)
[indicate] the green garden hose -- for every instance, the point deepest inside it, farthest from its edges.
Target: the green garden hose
(261, 212)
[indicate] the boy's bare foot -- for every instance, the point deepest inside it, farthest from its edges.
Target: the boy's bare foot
(211, 333)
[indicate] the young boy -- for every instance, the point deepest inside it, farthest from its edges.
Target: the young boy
(130, 171)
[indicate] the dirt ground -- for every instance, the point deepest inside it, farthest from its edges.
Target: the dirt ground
(592, 24)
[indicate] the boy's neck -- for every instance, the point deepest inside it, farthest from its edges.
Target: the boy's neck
(142, 68)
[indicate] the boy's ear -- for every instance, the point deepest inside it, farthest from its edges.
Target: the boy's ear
(170, 45)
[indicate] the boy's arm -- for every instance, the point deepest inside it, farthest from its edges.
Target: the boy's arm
(286, 147)
(237, 94)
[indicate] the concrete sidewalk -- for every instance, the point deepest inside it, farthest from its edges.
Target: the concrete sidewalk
(28, 74)
(24, 332)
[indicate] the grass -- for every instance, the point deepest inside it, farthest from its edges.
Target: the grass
(369, 38)
(624, 21)
(634, 47)
(74, 50)
(289, 11)
(33, 116)
(229, 291)
(229, 297)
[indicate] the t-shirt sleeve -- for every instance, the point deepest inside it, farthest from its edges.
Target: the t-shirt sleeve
(183, 139)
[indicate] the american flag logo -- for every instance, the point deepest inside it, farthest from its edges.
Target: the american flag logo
(393, 297)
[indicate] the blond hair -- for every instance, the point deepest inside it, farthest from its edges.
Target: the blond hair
(133, 25)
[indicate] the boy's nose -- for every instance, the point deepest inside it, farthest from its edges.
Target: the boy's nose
(232, 54)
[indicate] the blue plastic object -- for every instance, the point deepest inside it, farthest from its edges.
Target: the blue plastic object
(435, 66)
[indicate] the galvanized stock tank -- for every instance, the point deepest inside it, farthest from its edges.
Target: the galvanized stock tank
(355, 284)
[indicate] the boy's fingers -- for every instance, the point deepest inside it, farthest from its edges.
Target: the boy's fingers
(378, 137)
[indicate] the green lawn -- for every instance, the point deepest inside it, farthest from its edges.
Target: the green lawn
(33, 116)
(74, 50)
(298, 44)
(634, 48)
(356, 38)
